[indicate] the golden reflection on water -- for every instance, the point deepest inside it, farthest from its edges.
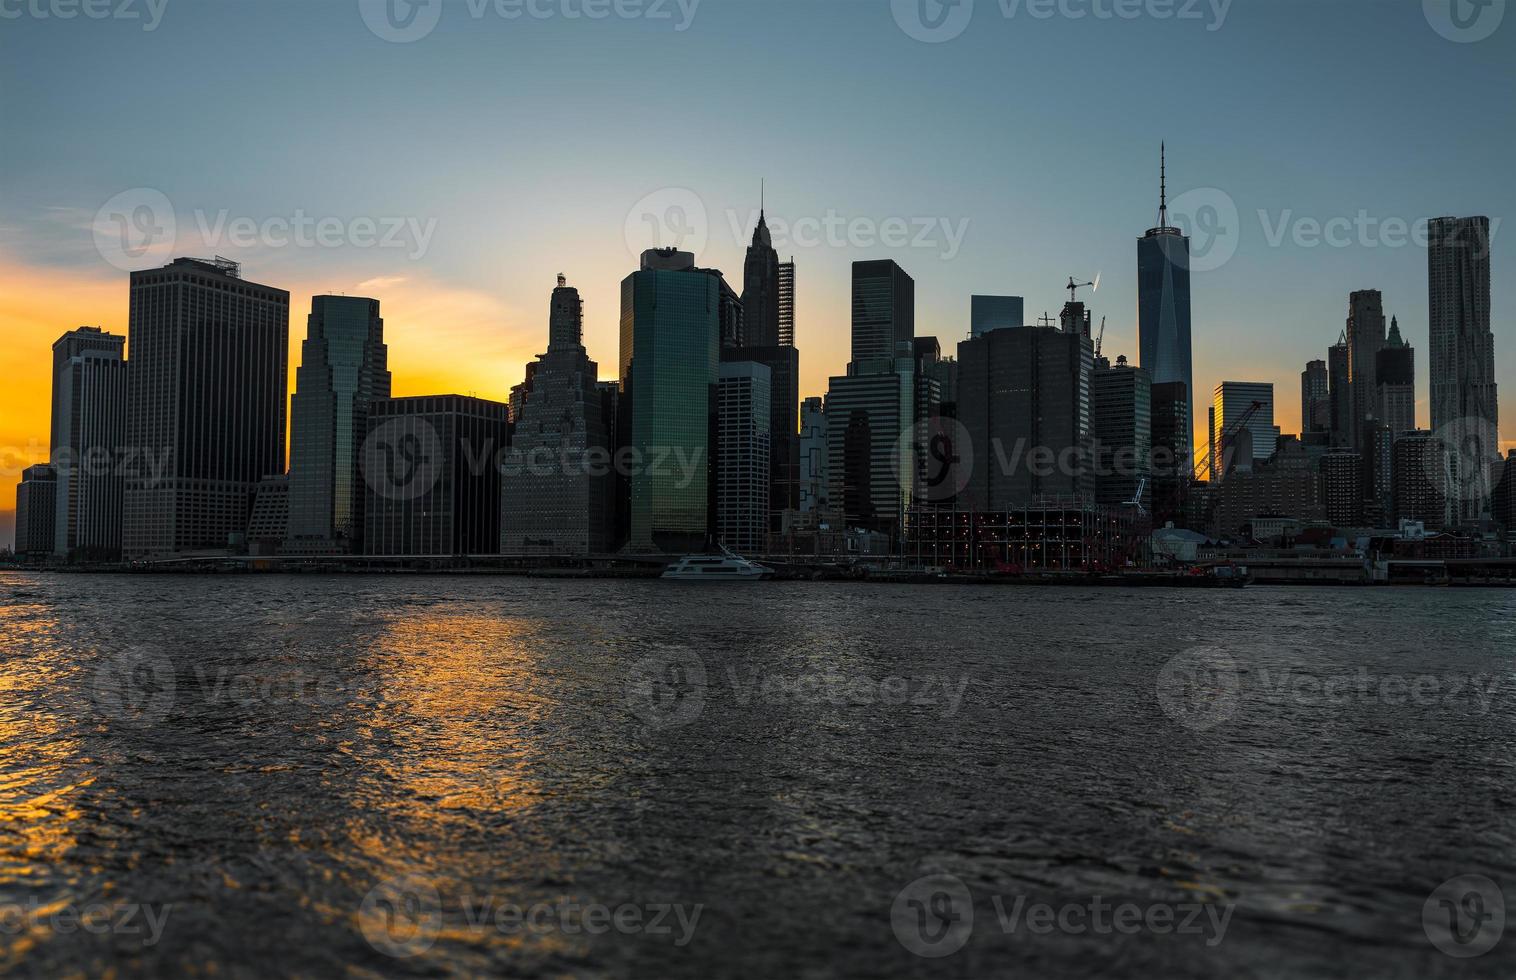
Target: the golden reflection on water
(39, 811)
(449, 741)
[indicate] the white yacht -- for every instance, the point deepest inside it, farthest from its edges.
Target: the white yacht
(725, 567)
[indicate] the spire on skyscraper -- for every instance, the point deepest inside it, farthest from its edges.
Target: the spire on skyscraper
(1394, 339)
(1163, 185)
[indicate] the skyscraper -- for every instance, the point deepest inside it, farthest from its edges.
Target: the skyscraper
(343, 368)
(1420, 475)
(669, 328)
(1163, 301)
(742, 462)
(884, 311)
(1465, 407)
(430, 468)
(555, 498)
(206, 387)
(88, 438)
(36, 511)
(1024, 400)
(1365, 336)
(988, 313)
(1172, 468)
(760, 289)
(1395, 373)
(1315, 397)
(813, 459)
(1340, 391)
(1121, 422)
(787, 303)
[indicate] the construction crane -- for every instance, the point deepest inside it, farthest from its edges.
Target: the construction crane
(1100, 339)
(1078, 285)
(1227, 433)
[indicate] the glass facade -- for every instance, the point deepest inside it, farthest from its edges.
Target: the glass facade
(342, 370)
(1163, 311)
(669, 349)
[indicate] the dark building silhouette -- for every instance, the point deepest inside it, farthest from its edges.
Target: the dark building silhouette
(1340, 393)
(1365, 337)
(432, 473)
(760, 290)
(1121, 422)
(36, 512)
(556, 494)
(1024, 401)
(1420, 473)
(1395, 373)
(1172, 469)
(1315, 398)
(884, 310)
(206, 391)
(857, 472)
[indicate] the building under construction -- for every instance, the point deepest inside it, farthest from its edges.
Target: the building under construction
(1051, 534)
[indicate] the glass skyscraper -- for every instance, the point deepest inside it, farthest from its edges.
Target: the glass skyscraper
(342, 370)
(1163, 304)
(669, 349)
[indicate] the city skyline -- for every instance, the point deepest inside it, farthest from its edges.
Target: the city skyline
(1033, 219)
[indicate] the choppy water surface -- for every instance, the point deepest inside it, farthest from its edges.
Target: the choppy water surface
(398, 776)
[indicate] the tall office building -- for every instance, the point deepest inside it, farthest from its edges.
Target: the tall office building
(813, 460)
(787, 303)
(1420, 479)
(1395, 373)
(36, 511)
(870, 420)
(555, 499)
(669, 358)
(768, 337)
(1465, 407)
(1340, 391)
(343, 368)
(1342, 487)
(760, 289)
(206, 387)
(1365, 335)
(988, 313)
(1024, 400)
(1121, 422)
(1163, 301)
(742, 460)
(1172, 468)
(884, 311)
(1232, 401)
(431, 473)
(1315, 398)
(88, 438)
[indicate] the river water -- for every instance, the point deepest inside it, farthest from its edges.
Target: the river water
(431, 776)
